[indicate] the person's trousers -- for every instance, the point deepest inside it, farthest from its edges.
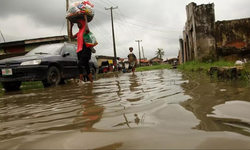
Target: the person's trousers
(83, 61)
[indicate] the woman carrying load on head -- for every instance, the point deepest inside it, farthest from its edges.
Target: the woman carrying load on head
(83, 53)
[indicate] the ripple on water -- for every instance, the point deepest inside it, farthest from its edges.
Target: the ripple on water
(115, 103)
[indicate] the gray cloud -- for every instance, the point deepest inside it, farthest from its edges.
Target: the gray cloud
(158, 24)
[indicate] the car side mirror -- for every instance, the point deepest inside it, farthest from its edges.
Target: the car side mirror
(66, 54)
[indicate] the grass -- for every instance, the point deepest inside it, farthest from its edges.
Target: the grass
(204, 66)
(29, 85)
(196, 66)
(156, 67)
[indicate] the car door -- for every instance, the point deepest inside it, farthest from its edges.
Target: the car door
(70, 61)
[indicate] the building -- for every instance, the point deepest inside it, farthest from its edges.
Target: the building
(156, 60)
(204, 39)
(198, 37)
(101, 58)
(17, 48)
(172, 61)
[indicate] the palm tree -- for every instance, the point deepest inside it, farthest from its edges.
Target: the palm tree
(159, 53)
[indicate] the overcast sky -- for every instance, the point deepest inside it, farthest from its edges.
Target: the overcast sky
(158, 23)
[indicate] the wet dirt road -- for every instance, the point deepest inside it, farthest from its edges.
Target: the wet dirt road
(161, 109)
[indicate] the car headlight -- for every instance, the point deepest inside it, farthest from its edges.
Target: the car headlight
(32, 62)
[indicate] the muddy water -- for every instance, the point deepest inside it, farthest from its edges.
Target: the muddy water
(155, 109)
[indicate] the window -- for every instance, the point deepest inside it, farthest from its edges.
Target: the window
(70, 49)
(53, 49)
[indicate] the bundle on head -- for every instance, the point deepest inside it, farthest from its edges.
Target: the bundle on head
(77, 10)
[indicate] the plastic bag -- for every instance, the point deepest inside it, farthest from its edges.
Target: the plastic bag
(77, 10)
(90, 40)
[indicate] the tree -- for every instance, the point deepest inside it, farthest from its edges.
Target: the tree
(159, 53)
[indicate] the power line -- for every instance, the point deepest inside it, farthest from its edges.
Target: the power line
(147, 27)
(111, 2)
(148, 22)
(105, 2)
(133, 34)
(99, 4)
(125, 31)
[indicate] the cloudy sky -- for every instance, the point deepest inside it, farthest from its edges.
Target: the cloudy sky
(158, 23)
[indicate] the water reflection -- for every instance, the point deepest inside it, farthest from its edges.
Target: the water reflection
(133, 83)
(134, 88)
(137, 120)
(90, 113)
(207, 95)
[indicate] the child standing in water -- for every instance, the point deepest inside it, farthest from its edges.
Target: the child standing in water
(132, 60)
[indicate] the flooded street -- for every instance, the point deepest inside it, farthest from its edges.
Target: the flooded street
(161, 109)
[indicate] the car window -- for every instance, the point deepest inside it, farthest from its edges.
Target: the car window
(70, 49)
(53, 49)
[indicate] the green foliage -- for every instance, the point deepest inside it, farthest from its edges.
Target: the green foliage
(29, 85)
(204, 66)
(156, 63)
(159, 53)
(157, 67)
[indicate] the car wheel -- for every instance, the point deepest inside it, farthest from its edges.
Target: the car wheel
(53, 77)
(92, 70)
(11, 86)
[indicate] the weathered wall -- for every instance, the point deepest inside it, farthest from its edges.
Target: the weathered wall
(233, 39)
(181, 52)
(198, 36)
(189, 34)
(204, 40)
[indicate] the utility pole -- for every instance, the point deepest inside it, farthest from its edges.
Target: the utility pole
(68, 23)
(139, 50)
(111, 10)
(143, 53)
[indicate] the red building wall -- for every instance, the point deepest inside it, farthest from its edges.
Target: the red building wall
(14, 49)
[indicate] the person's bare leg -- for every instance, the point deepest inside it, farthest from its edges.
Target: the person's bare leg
(80, 83)
(81, 77)
(90, 77)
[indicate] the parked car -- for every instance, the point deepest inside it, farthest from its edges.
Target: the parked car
(49, 63)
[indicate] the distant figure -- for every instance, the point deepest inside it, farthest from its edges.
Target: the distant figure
(132, 60)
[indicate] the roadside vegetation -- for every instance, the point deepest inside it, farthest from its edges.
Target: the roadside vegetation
(204, 66)
(154, 67)
(196, 66)
(29, 85)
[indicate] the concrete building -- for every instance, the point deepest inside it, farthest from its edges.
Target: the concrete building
(233, 39)
(198, 37)
(156, 60)
(204, 39)
(101, 58)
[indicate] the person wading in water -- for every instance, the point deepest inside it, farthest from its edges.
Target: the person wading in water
(83, 53)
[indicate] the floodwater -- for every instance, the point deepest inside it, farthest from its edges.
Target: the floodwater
(161, 109)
